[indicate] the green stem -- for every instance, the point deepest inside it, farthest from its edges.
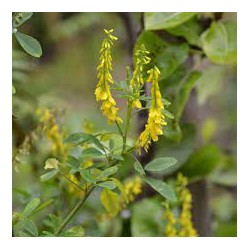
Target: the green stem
(75, 184)
(119, 128)
(129, 111)
(73, 211)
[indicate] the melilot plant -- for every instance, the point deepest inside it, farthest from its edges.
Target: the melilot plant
(101, 158)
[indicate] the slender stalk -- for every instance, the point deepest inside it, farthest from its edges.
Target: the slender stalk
(119, 128)
(129, 110)
(73, 211)
(75, 184)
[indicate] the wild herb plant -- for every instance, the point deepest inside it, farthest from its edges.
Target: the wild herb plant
(89, 165)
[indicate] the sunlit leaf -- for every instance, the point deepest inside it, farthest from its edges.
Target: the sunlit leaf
(219, 42)
(165, 20)
(107, 184)
(49, 175)
(110, 200)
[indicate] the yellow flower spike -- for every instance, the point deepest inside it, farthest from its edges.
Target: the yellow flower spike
(170, 230)
(52, 132)
(104, 69)
(185, 219)
(132, 188)
(137, 81)
(156, 118)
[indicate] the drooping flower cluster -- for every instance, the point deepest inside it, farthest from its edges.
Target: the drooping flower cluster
(132, 188)
(182, 225)
(137, 80)
(104, 69)
(185, 219)
(156, 118)
(52, 132)
(170, 230)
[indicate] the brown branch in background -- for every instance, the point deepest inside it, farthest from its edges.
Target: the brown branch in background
(201, 213)
(131, 32)
(201, 209)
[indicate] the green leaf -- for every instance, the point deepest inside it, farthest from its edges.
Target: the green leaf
(29, 226)
(107, 184)
(77, 138)
(146, 218)
(29, 44)
(80, 138)
(171, 57)
(168, 114)
(73, 162)
(162, 188)
(165, 20)
(138, 167)
(87, 176)
(52, 222)
(219, 42)
(190, 30)
(110, 201)
(76, 231)
(107, 172)
(31, 207)
(208, 89)
(160, 164)
(44, 205)
(202, 162)
(184, 94)
(91, 152)
(49, 175)
(48, 234)
(20, 18)
(23, 234)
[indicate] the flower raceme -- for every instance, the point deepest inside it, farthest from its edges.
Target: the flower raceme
(156, 118)
(137, 80)
(185, 219)
(52, 132)
(182, 224)
(104, 69)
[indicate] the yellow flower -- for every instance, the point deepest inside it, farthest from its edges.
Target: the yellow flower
(72, 188)
(104, 68)
(185, 218)
(182, 225)
(132, 188)
(137, 81)
(52, 132)
(156, 119)
(170, 230)
(87, 163)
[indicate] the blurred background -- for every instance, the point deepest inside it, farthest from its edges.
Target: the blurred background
(64, 80)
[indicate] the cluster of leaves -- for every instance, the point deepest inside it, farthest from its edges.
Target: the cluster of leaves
(28, 43)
